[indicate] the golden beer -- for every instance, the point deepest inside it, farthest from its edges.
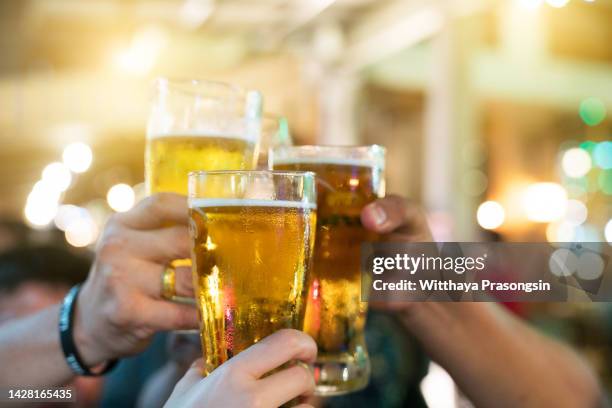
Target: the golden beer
(251, 260)
(170, 158)
(199, 125)
(335, 314)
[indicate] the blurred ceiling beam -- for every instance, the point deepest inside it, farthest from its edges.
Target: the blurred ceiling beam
(401, 25)
(555, 82)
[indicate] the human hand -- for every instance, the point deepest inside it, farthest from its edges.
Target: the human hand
(396, 220)
(240, 382)
(120, 304)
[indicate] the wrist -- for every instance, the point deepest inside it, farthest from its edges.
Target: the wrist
(91, 353)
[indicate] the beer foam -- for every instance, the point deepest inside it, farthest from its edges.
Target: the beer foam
(203, 134)
(248, 202)
(339, 161)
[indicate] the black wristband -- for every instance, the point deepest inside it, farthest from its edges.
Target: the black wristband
(66, 325)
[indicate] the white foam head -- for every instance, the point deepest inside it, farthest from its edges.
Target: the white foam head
(340, 161)
(203, 134)
(248, 202)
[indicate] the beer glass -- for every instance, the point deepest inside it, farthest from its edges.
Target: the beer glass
(199, 125)
(252, 242)
(348, 178)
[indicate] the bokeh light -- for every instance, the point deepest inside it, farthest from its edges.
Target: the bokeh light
(576, 212)
(590, 266)
(592, 111)
(587, 233)
(66, 213)
(608, 231)
(563, 262)
(43, 191)
(140, 57)
(557, 3)
(602, 155)
(57, 175)
(490, 215)
(589, 146)
(560, 232)
(194, 13)
(81, 231)
(576, 162)
(40, 213)
(529, 4)
(544, 202)
(41, 205)
(120, 197)
(77, 157)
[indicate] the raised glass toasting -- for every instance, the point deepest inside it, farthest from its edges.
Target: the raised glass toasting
(199, 125)
(348, 178)
(252, 243)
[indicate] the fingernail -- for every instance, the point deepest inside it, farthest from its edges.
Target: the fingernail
(379, 214)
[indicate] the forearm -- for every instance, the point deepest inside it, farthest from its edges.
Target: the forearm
(30, 351)
(498, 360)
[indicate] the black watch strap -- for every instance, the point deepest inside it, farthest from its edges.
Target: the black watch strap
(66, 326)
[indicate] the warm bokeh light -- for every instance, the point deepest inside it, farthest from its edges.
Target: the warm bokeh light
(563, 262)
(40, 214)
(57, 175)
(576, 212)
(490, 215)
(560, 232)
(544, 202)
(590, 266)
(41, 205)
(77, 157)
(120, 197)
(66, 213)
(608, 231)
(194, 13)
(587, 233)
(592, 111)
(576, 162)
(81, 231)
(43, 191)
(529, 4)
(557, 3)
(140, 57)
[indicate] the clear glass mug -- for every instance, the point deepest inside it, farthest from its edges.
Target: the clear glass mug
(199, 125)
(348, 178)
(252, 243)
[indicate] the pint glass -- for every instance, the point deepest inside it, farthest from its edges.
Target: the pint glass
(252, 243)
(199, 125)
(348, 178)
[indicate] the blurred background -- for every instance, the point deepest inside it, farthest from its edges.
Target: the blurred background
(497, 115)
